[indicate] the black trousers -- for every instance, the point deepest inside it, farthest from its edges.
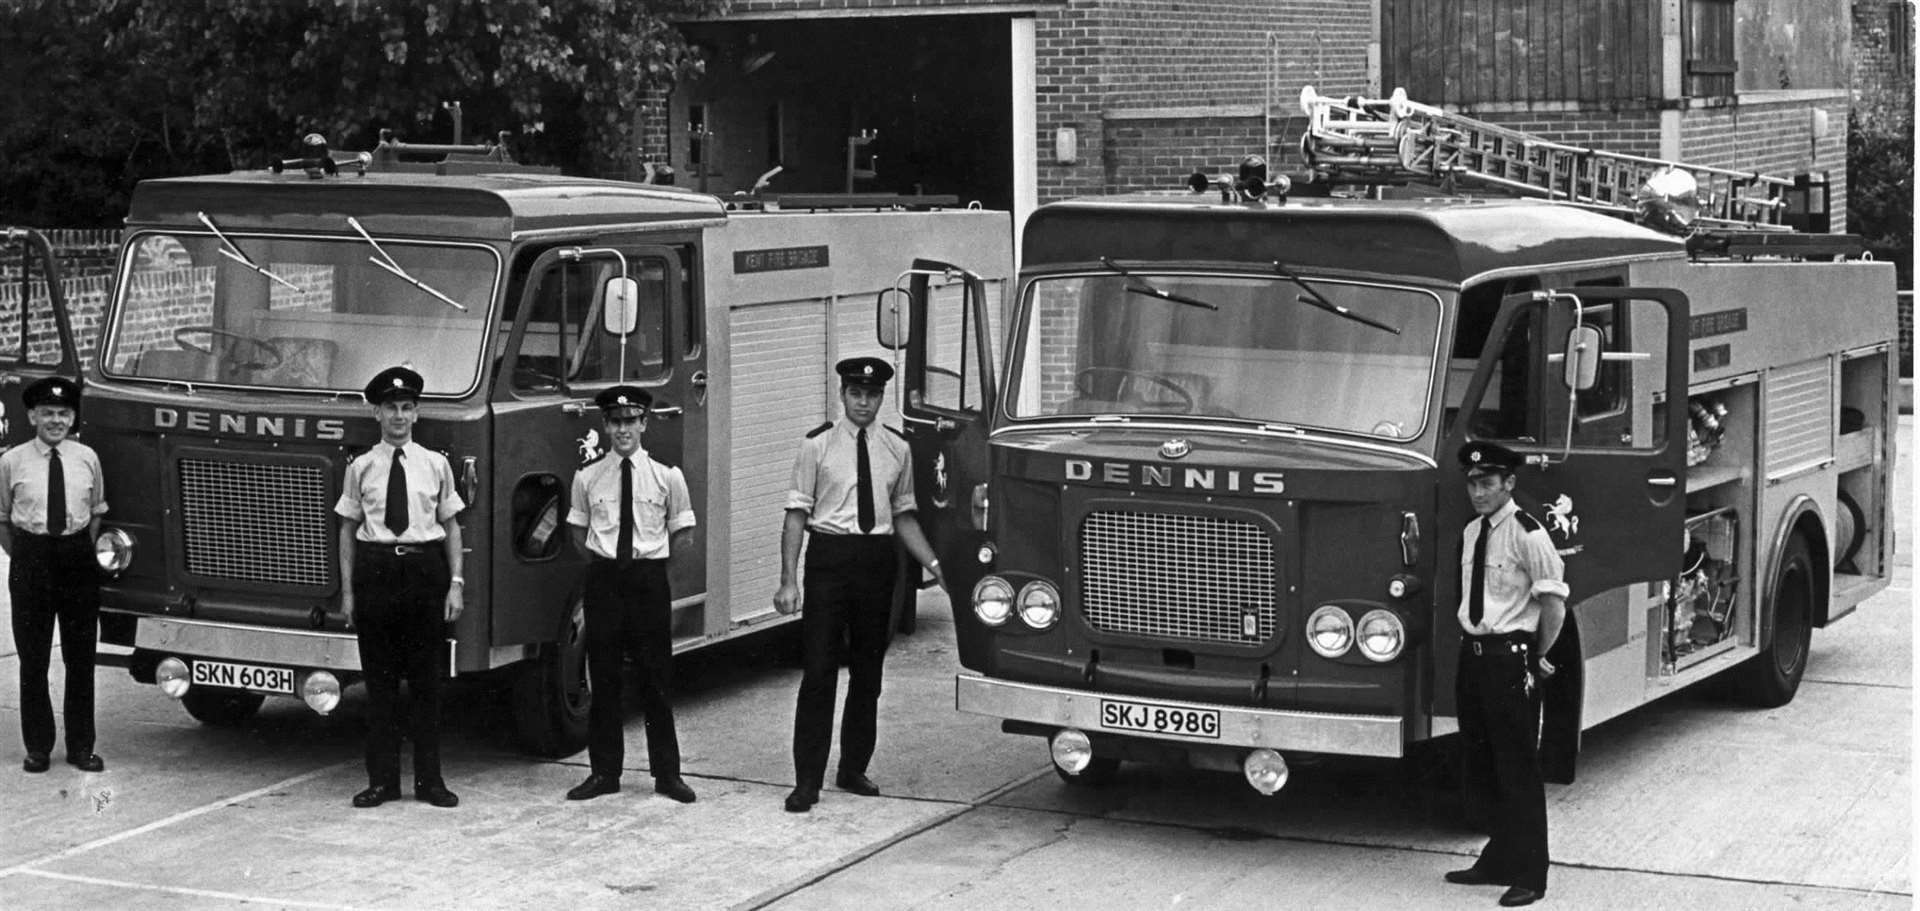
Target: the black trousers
(1500, 724)
(848, 587)
(400, 618)
(54, 581)
(630, 612)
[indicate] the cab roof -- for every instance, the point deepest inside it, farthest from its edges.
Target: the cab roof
(1449, 241)
(483, 207)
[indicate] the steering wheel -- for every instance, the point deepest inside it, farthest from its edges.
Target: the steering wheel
(1083, 383)
(234, 341)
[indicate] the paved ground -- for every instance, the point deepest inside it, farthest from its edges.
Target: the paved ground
(1687, 803)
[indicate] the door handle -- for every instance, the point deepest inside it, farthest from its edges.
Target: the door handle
(574, 408)
(939, 424)
(667, 411)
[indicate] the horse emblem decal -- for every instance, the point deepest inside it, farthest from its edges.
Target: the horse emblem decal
(1560, 518)
(589, 446)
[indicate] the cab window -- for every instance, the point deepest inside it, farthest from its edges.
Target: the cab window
(565, 345)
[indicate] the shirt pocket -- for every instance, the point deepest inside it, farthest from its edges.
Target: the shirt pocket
(651, 511)
(1506, 580)
(605, 512)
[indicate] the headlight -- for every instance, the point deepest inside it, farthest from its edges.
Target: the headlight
(113, 550)
(1039, 604)
(1266, 770)
(1071, 749)
(320, 690)
(992, 600)
(1382, 635)
(1330, 631)
(173, 677)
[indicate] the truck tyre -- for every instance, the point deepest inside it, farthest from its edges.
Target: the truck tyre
(1770, 678)
(1100, 772)
(551, 694)
(221, 708)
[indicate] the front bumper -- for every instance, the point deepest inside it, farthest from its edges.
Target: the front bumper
(1310, 732)
(233, 642)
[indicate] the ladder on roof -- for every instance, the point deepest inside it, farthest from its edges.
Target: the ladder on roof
(1393, 140)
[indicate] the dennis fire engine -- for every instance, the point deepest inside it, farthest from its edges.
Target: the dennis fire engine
(1208, 512)
(250, 309)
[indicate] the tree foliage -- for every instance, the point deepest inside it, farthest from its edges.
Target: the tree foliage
(1880, 135)
(110, 92)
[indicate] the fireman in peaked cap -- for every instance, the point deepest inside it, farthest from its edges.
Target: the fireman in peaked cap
(627, 512)
(850, 499)
(1512, 604)
(52, 494)
(400, 585)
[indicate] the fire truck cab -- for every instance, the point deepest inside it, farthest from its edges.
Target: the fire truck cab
(251, 308)
(1208, 510)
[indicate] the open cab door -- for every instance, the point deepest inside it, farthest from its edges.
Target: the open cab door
(36, 339)
(1590, 384)
(936, 314)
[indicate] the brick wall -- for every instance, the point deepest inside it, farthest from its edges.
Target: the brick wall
(1774, 135)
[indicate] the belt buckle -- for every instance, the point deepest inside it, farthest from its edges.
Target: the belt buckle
(401, 550)
(1476, 649)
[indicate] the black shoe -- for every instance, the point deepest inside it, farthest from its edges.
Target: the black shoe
(673, 787)
(376, 795)
(36, 762)
(802, 799)
(595, 785)
(1474, 876)
(87, 762)
(1520, 895)
(436, 794)
(856, 783)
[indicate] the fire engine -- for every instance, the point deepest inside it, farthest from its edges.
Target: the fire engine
(1205, 509)
(251, 307)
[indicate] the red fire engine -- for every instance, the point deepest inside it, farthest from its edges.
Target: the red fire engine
(1206, 506)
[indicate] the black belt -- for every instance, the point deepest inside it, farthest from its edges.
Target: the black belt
(635, 561)
(403, 550)
(1517, 643)
(30, 536)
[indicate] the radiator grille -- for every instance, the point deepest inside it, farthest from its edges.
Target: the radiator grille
(260, 522)
(1189, 577)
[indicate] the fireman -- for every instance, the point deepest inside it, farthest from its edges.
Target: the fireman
(51, 498)
(626, 509)
(400, 586)
(1513, 601)
(853, 491)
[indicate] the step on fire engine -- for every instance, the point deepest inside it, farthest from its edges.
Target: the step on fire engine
(1208, 511)
(250, 308)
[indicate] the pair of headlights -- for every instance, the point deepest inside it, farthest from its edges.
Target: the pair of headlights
(1379, 635)
(1038, 602)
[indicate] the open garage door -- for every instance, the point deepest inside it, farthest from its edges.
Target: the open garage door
(902, 104)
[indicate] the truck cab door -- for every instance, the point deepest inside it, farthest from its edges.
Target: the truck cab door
(938, 315)
(1606, 456)
(36, 339)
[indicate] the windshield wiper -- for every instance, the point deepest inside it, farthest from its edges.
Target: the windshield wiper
(1143, 287)
(386, 262)
(1313, 298)
(231, 251)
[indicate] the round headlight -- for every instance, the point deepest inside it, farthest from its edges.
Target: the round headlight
(173, 677)
(1039, 604)
(320, 690)
(1382, 635)
(992, 600)
(1266, 770)
(1072, 751)
(113, 550)
(1330, 631)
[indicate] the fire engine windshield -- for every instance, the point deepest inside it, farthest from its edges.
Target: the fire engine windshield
(305, 313)
(1348, 357)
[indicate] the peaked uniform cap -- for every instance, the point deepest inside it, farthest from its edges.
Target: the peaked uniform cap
(392, 383)
(1480, 457)
(864, 371)
(53, 390)
(624, 401)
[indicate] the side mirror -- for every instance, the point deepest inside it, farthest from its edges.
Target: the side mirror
(621, 309)
(1583, 358)
(893, 319)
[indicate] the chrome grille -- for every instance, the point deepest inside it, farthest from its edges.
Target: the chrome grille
(1170, 576)
(256, 521)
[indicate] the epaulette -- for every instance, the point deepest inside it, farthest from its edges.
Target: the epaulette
(1528, 523)
(896, 431)
(823, 428)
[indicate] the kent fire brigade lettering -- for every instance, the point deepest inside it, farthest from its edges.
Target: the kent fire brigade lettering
(255, 425)
(1172, 477)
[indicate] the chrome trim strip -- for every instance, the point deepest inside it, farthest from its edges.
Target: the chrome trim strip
(1031, 426)
(234, 642)
(680, 224)
(1351, 735)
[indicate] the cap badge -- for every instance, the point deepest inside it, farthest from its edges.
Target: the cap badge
(1473, 456)
(622, 400)
(1175, 449)
(868, 370)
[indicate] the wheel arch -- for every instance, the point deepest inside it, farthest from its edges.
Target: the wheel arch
(1801, 517)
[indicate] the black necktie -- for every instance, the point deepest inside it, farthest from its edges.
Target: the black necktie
(866, 483)
(56, 493)
(1477, 600)
(397, 497)
(623, 550)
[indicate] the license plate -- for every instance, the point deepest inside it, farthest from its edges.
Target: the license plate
(1152, 718)
(243, 677)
